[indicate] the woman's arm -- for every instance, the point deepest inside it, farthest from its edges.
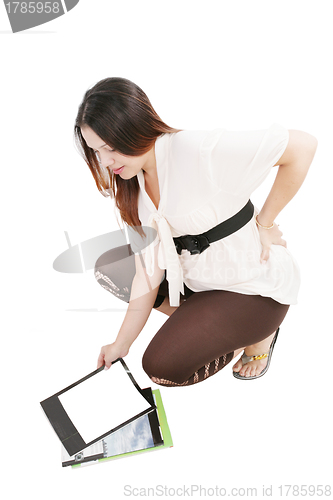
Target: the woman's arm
(143, 295)
(293, 167)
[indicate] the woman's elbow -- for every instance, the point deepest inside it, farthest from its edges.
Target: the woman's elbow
(301, 148)
(312, 144)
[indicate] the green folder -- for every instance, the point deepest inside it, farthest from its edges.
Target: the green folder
(147, 433)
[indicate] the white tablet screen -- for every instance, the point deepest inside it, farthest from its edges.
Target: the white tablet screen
(102, 402)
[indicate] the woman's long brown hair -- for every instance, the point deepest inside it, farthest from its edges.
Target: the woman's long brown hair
(120, 113)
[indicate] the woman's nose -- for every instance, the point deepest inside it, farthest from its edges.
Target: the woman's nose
(106, 159)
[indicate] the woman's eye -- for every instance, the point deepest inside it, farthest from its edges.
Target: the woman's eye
(110, 151)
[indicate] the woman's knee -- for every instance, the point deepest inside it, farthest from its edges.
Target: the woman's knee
(162, 368)
(148, 364)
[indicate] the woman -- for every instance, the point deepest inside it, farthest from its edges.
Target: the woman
(225, 287)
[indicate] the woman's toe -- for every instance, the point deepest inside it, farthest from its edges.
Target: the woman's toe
(237, 366)
(258, 370)
(254, 369)
(243, 370)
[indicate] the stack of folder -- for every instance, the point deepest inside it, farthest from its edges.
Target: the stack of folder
(106, 415)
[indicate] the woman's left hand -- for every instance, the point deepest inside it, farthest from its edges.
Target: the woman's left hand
(269, 237)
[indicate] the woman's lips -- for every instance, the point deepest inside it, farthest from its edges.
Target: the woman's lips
(119, 170)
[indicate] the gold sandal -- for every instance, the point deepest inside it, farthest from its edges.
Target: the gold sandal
(247, 359)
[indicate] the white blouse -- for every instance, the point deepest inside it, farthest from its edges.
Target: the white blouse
(205, 178)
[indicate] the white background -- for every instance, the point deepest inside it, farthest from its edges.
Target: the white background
(230, 64)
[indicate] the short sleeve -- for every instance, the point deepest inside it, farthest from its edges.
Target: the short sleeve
(239, 161)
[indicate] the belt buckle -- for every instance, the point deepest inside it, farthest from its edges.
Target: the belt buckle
(196, 244)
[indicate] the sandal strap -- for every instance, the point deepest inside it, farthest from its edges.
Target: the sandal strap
(247, 359)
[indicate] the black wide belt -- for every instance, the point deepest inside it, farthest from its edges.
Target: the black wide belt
(198, 243)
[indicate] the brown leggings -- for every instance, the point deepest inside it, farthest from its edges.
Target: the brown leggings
(200, 337)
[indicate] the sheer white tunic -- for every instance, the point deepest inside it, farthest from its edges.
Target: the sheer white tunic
(205, 178)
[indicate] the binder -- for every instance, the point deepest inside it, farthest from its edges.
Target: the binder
(81, 416)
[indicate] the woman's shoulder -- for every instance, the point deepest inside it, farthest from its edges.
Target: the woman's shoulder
(188, 136)
(191, 139)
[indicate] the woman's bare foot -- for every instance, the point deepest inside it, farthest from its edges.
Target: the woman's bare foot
(254, 368)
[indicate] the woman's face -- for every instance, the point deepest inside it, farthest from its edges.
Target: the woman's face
(125, 166)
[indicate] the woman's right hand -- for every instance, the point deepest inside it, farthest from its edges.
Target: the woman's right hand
(110, 353)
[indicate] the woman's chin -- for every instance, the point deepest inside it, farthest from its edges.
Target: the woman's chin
(126, 176)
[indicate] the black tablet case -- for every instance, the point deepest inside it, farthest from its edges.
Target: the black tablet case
(65, 428)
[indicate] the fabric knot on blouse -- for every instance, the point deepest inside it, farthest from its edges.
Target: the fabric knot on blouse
(167, 257)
